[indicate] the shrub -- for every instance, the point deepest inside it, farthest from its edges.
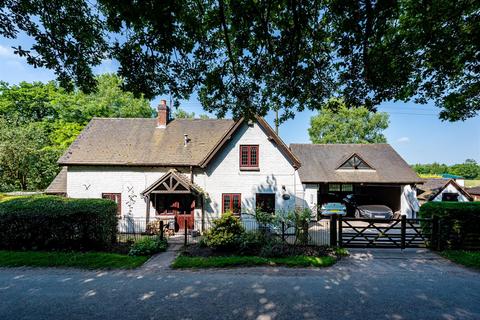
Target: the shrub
(51, 222)
(459, 222)
(225, 233)
(148, 246)
(251, 243)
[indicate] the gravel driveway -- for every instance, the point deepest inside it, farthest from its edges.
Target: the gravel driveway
(376, 284)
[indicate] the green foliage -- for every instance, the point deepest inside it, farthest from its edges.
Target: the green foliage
(39, 121)
(288, 56)
(84, 260)
(26, 163)
(222, 262)
(459, 221)
(336, 123)
(298, 219)
(466, 258)
(253, 242)
(469, 169)
(225, 233)
(50, 222)
(148, 246)
(182, 114)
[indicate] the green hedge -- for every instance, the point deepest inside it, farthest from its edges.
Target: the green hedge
(51, 222)
(459, 223)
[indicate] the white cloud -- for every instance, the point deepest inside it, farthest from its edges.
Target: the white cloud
(6, 52)
(403, 139)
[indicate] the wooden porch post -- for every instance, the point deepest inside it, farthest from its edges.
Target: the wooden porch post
(148, 211)
(203, 212)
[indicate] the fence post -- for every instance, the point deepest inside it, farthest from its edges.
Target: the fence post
(404, 230)
(340, 231)
(333, 230)
(161, 229)
(283, 231)
(185, 242)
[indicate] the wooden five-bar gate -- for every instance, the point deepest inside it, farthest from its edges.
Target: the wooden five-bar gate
(381, 233)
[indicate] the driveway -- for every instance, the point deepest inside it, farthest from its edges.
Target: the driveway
(375, 284)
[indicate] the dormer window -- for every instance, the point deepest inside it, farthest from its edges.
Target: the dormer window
(249, 157)
(355, 163)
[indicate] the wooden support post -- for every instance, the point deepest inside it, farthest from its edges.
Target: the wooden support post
(333, 230)
(404, 230)
(340, 231)
(203, 212)
(148, 212)
(283, 231)
(185, 242)
(161, 229)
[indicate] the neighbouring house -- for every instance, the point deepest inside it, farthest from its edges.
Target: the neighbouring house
(190, 171)
(442, 190)
(374, 173)
(474, 192)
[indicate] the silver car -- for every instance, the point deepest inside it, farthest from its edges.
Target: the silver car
(374, 211)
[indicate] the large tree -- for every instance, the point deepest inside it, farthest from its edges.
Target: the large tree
(39, 121)
(335, 123)
(252, 56)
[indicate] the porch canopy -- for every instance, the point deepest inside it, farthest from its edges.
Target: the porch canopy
(173, 196)
(172, 182)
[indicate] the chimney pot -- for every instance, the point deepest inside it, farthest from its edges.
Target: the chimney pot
(163, 114)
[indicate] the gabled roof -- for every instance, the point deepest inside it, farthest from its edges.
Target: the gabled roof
(474, 190)
(138, 142)
(433, 187)
(268, 131)
(59, 184)
(172, 182)
(320, 163)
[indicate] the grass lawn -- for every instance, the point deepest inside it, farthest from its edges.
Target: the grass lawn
(248, 261)
(472, 183)
(86, 260)
(466, 258)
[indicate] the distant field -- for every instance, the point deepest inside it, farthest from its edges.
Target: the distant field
(472, 183)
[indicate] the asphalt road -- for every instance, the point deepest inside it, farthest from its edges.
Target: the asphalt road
(378, 285)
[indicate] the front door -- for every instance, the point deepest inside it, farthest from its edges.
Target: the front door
(185, 213)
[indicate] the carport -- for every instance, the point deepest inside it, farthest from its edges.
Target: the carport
(376, 173)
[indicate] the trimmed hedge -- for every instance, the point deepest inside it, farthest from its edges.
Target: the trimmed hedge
(459, 223)
(52, 222)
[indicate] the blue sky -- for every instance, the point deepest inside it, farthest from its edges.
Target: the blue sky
(415, 130)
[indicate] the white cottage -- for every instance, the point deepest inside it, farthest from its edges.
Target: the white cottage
(193, 170)
(190, 170)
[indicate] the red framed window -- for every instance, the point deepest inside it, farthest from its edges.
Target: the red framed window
(232, 202)
(117, 197)
(249, 155)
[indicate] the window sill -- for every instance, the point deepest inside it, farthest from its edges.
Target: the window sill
(249, 169)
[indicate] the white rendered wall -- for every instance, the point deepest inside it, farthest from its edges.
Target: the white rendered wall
(223, 175)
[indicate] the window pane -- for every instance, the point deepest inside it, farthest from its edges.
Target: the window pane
(236, 204)
(333, 187)
(226, 203)
(265, 202)
(253, 156)
(244, 155)
(347, 187)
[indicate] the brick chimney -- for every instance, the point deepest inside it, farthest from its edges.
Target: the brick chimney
(163, 114)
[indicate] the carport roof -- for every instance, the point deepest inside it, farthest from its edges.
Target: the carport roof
(320, 163)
